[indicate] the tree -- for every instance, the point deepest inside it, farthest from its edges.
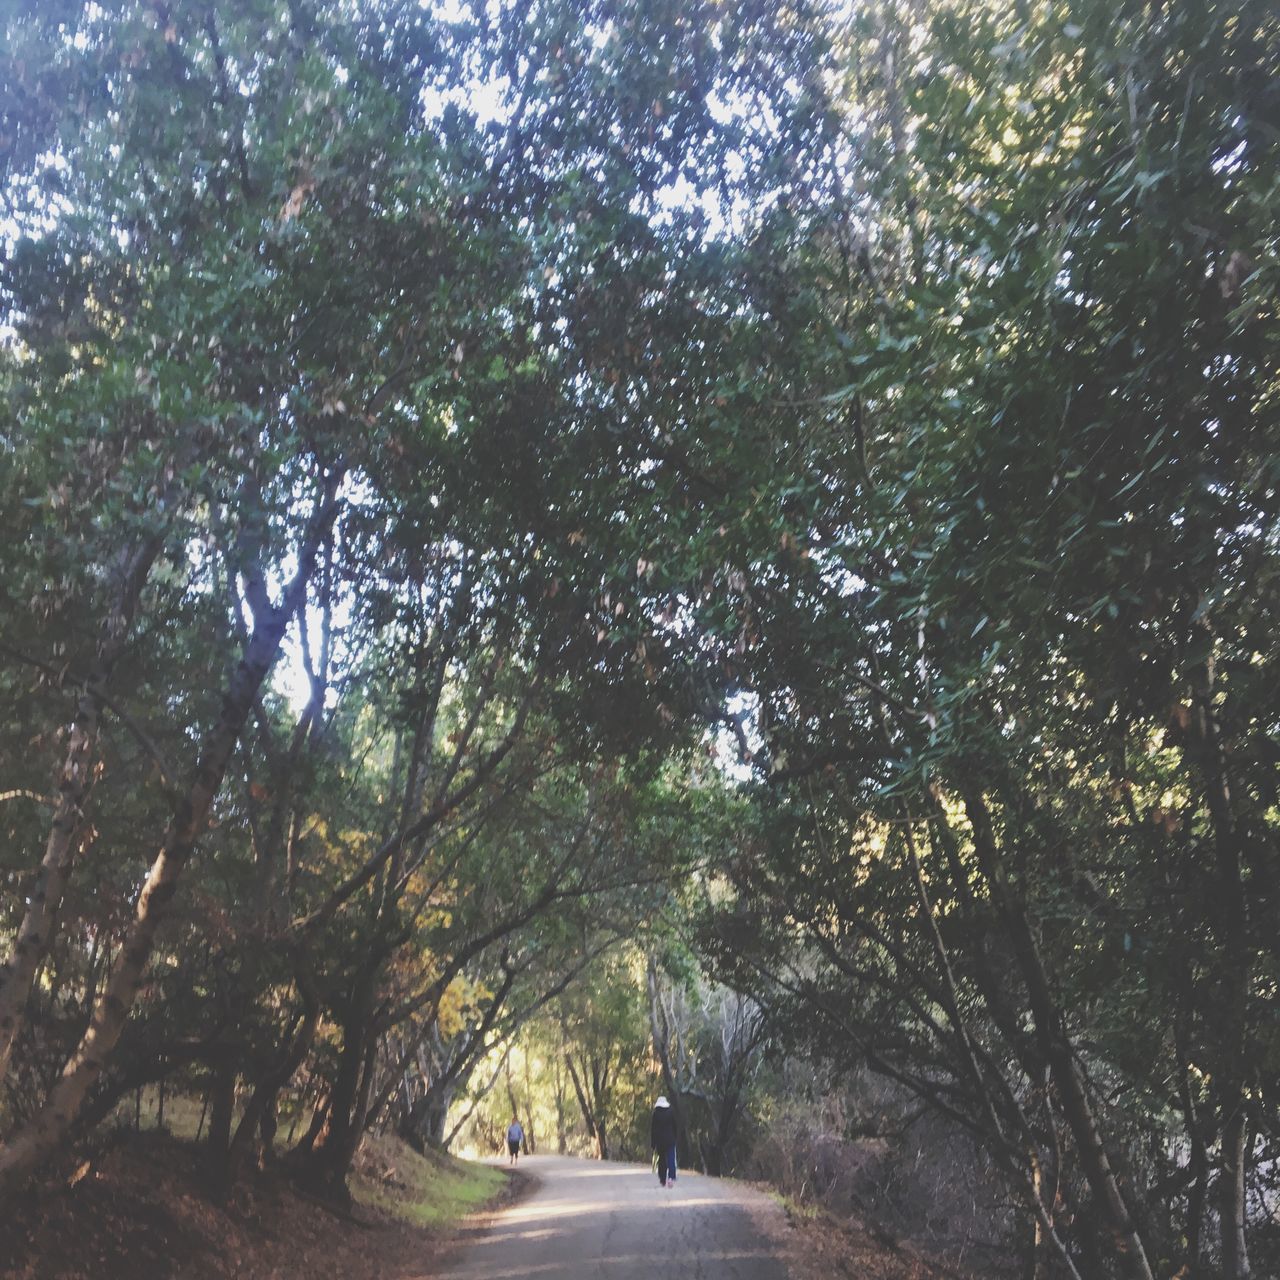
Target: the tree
(709, 1043)
(312, 358)
(1001, 638)
(603, 1049)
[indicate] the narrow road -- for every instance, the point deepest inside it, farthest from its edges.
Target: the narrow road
(588, 1220)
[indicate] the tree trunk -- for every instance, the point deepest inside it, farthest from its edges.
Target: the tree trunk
(515, 1108)
(475, 1102)
(530, 1141)
(319, 1119)
(221, 1115)
(341, 1135)
(436, 1116)
(204, 1112)
(1033, 1263)
(1198, 1195)
(49, 1128)
(589, 1118)
(562, 1139)
(1057, 1049)
(660, 1031)
(349, 1097)
(74, 781)
(1231, 1196)
(1231, 1010)
(361, 1113)
(258, 1124)
(1031, 1189)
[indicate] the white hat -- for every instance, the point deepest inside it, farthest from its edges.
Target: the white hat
(662, 1102)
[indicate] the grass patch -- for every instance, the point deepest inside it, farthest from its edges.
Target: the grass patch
(141, 1110)
(434, 1190)
(802, 1210)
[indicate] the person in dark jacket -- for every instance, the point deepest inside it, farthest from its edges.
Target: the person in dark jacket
(662, 1133)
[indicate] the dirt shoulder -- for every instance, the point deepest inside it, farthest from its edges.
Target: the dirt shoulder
(141, 1210)
(817, 1245)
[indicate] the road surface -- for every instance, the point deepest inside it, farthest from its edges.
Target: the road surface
(590, 1220)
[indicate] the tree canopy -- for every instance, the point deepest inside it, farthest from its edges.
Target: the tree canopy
(670, 530)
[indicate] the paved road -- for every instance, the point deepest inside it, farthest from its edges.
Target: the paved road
(589, 1220)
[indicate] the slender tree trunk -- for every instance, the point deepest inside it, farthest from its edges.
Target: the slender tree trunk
(49, 1128)
(1198, 1195)
(562, 1138)
(1045, 1227)
(660, 1031)
(293, 1126)
(341, 1134)
(222, 1114)
(437, 1116)
(1032, 1268)
(268, 1126)
(530, 1140)
(319, 1119)
(35, 933)
(515, 1108)
(350, 1096)
(475, 1102)
(259, 1120)
(1231, 1009)
(601, 1088)
(585, 1105)
(1058, 1051)
(1231, 1193)
(204, 1111)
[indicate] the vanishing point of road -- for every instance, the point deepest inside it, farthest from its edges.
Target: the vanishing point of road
(594, 1220)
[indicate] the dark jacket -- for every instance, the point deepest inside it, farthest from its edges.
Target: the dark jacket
(662, 1128)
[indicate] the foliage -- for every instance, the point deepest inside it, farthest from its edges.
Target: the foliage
(1011, 654)
(312, 352)
(880, 402)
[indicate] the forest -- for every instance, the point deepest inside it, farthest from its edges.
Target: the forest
(553, 551)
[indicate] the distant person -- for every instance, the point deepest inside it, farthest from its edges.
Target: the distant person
(662, 1133)
(515, 1136)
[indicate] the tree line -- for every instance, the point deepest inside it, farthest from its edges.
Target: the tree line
(430, 437)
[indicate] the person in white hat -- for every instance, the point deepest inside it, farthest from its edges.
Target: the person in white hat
(662, 1133)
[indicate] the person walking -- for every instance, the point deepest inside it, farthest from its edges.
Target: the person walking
(515, 1136)
(662, 1134)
